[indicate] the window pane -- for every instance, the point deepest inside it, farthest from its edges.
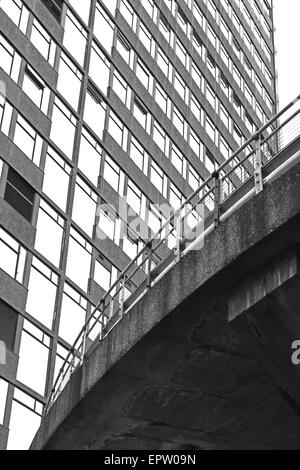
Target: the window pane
(33, 363)
(63, 128)
(23, 426)
(40, 288)
(49, 232)
(56, 170)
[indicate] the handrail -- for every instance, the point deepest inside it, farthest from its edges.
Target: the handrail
(213, 178)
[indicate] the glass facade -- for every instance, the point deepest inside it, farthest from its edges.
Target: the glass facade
(138, 99)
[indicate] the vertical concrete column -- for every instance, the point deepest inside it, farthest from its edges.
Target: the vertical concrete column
(264, 311)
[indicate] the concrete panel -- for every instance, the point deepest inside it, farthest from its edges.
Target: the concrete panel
(9, 370)
(12, 292)
(16, 224)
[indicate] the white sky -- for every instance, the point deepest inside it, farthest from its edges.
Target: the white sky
(287, 39)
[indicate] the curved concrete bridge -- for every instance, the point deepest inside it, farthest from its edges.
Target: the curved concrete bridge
(203, 360)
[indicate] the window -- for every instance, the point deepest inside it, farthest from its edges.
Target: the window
(10, 61)
(224, 116)
(143, 74)
(63, 128)
(138, 155)
(82, 8)
(17, 12)
(99, 68)
(157, 176)
(181, 53)
(43, 42)
(107, 225)
(113, 175)
(130, 245)
(121, 87)
(79, 254)
(73, 314)
(36, 89)
(19, 194)
(75, 38)
(164, 28)
(210, 128)
(69, 81)
(94, 112)
(28, 140)
(159, 136)
(177, 159)
(102, 276)
(90, 153)
(175, 197)
(180, 86)
(163, 62)
(84, 206)
(140, 113)
(23, 411)
(211, 96)
(55, 7)
(49, 233)
(145, 37)
(211, 64)
(237, 135)
(124, 48)
(161, 98)
(12, 256)
(134, 197)
(103, 28)
(178, 120)
(127, 12)
(209, 162)
(116, 128)
(33, 358)
(42, 285)
(56, 169)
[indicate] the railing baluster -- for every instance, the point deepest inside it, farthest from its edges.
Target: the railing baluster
(123, 283)
(149, 263)
(83, 345)
(178, 230)
(258, 165)
(217, 197)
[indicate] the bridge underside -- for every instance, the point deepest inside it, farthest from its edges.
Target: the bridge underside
(167, 393)
(203, 361)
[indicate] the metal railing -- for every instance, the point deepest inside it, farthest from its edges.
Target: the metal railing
(241, 173)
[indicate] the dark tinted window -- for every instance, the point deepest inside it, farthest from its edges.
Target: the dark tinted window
(8, 322)
(19, 194)
(55, 6)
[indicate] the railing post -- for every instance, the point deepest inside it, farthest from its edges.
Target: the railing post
(83, 345)
(217, 198)
(178, 227)
(101, 310)
(149, 264)
(72, 363)
(258, 166)
(123, 282)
